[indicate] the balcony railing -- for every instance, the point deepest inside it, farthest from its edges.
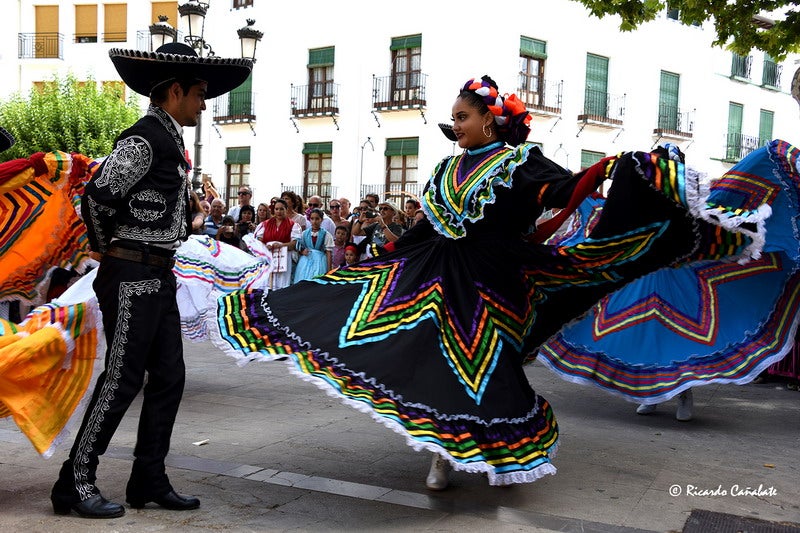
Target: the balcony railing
(325, 190)
(399, 92)
(234, 107)
(143, 40)
(41, 45)
(319, 99)
(771, 76)
(115, 37)
(540, 94)
(394, 191)
(672, 122)
(737, 145)
(740, 66)
(602, 107)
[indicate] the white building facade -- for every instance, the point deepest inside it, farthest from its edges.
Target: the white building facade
(345, 97)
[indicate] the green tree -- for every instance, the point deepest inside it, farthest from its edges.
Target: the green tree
(67, 115)
(734, 22)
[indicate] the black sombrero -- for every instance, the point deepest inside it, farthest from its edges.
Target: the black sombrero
(6, 140)
(447, 129)
(142, 71)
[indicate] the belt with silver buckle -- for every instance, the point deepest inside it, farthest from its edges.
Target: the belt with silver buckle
(138, 256)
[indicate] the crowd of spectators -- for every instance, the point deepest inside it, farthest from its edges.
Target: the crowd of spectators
(342, 233)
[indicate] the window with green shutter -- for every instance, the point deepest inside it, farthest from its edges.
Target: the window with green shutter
(321, 57)
(734, 141)
(407, 41)
(237, 156)
(765, 123)
(668, 101)
(402, 163)
(589, 158)
(530, 47)
(532, 59)
(240, 99)
(318, 148)
(402, 146)
(237, 171)
(321, 90)
(771, 74)
(406, 69)
(596, 85)
(317, 165)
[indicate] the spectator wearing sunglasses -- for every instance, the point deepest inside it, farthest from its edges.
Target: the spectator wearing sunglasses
(245, 195)
(379, 229)
(335, 210)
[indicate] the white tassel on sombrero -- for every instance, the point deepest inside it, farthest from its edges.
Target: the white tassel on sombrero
(142, 71)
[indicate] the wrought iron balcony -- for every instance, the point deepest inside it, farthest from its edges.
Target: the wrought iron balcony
(394, 191)
(143, 41)
(771, 75)
(737, 146)
(740, 66)
(234, 107)
(603, 108)
(42, 45)
(316, 100)
(541, 96)
(672, 122)
(406, 91)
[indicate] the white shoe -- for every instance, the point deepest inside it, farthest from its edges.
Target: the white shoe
(685, 404)
(437, 476)
(646, 409)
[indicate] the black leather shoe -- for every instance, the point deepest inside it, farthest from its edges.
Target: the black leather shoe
(93, 507)
(171, 500)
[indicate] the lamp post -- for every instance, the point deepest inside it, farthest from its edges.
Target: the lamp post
(161, 33)
(193, 13)
(361, 172)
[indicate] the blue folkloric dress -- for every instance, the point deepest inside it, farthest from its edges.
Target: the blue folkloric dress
(315, 263)
(714, 321)
(438, 330)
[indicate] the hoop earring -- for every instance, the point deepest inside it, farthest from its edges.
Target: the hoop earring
(489, 134)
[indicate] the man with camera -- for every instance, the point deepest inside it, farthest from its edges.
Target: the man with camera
(378, 227)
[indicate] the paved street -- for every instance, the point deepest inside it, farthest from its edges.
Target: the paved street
(280, 455)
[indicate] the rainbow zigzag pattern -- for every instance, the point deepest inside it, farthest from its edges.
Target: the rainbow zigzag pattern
(510, 447)
(39, 224)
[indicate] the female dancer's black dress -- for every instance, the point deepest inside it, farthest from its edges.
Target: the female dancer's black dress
(438, 329)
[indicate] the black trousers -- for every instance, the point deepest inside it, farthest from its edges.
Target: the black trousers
(142, 330)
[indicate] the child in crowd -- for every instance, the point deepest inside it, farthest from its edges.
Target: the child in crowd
(351, 254)
(340, 238)
(315, 249)
(227, 232)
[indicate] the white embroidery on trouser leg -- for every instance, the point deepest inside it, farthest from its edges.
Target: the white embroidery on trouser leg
(80, 468)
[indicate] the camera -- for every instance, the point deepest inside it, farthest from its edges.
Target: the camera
(370, 214)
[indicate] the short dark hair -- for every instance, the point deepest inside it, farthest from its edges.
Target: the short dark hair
(246, 208)
(158, 95)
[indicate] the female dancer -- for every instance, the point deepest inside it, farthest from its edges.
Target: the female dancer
(439, 327)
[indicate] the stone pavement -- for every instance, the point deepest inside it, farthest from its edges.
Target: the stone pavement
(280, 455)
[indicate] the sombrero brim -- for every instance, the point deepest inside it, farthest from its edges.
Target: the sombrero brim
(6, 140)
(141, 71)
(447, 129)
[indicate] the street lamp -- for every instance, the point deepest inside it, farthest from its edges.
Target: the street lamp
(162, 33)
(193, 13)
(249, 38)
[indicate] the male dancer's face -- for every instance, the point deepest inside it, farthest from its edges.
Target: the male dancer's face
(190, 105)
